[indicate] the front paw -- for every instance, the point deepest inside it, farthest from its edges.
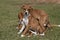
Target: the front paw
(22, 35)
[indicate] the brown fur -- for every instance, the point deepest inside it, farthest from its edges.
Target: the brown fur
(37, 19)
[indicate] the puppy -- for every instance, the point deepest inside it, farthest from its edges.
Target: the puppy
(39, 15)
(32, 26)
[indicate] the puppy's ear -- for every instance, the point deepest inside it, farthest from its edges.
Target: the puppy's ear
(31, 8)
(22, 6)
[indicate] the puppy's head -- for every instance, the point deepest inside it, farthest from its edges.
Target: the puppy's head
(26, 8)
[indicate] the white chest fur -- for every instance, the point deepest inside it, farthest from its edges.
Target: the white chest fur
(24, 23)
(25, 20)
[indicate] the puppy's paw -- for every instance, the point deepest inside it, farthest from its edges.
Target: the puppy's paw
(42, 34)
(22, 35)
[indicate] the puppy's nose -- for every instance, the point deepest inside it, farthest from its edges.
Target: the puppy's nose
(26, 13)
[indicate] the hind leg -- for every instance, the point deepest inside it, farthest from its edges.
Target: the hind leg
(41, 32)
(29, 34)
(43, 22)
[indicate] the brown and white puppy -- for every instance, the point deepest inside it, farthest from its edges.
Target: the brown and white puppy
(40, 15)
(39, 18)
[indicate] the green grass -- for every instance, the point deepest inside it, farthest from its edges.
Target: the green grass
(8, 20)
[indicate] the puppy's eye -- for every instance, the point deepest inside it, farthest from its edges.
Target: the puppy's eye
(24, 9)
(28, 9)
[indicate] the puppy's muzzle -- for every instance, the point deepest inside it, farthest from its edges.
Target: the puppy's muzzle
(26, 13)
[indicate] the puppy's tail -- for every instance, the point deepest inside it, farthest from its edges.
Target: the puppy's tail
(55, 25)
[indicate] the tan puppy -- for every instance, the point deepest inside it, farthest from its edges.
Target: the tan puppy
(40, 15)
(38, 22)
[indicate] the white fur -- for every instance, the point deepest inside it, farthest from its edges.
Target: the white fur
(24, 22)
(33, 32)
(42, 34)
(44, 24)
(26, 11)
(20, 31)
(58, 25)
(37, 34)
(22, 35)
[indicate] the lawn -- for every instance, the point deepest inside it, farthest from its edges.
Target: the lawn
(9, 20)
